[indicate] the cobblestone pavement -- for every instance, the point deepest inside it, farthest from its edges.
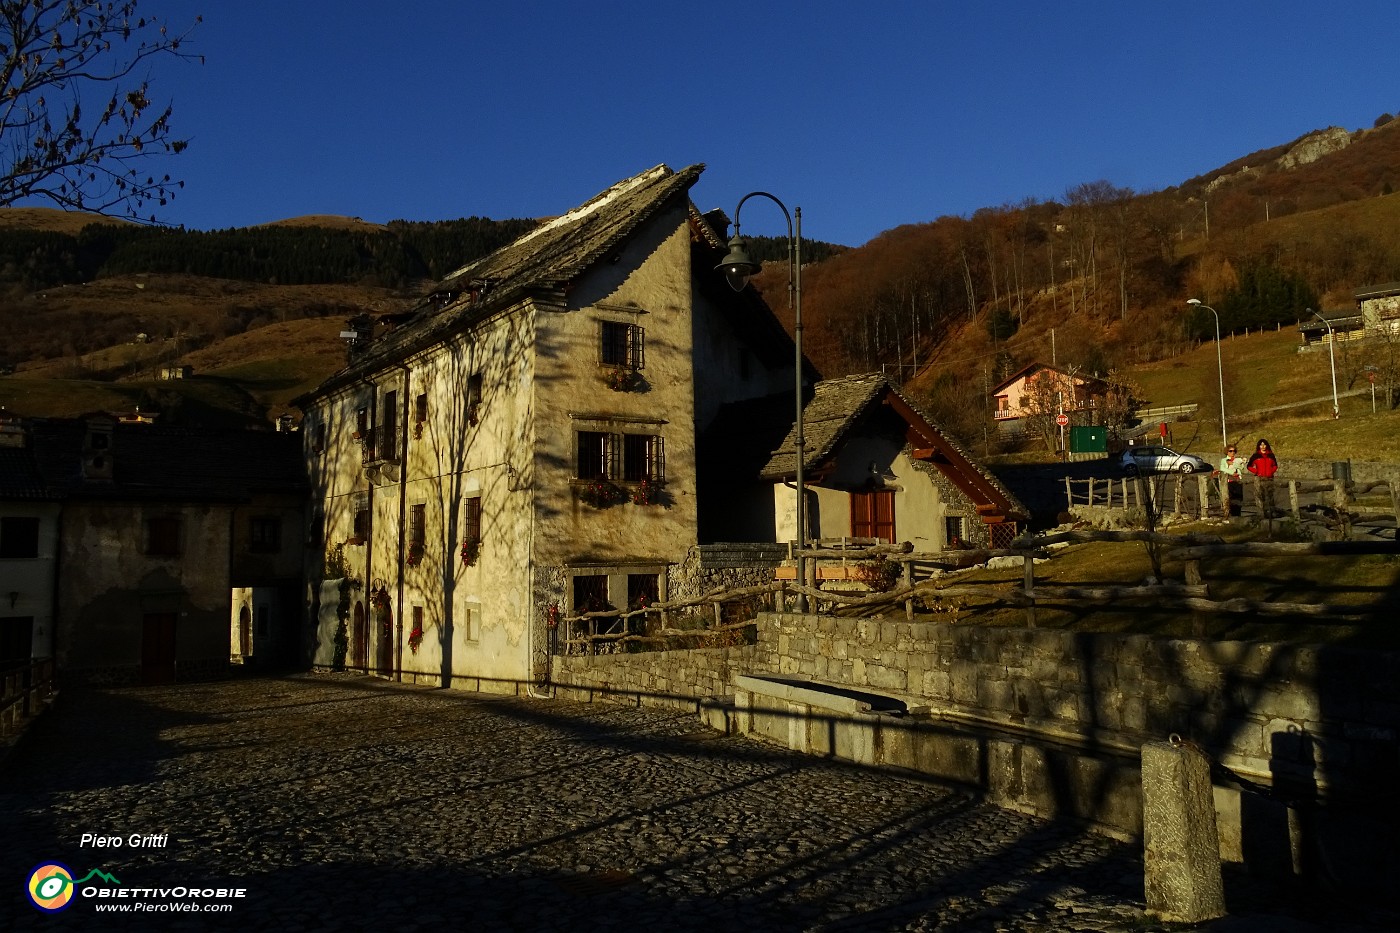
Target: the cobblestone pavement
(343, 803)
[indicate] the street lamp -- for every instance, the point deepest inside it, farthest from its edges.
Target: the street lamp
(1219, 368)
(737, 268)
(1332, 357)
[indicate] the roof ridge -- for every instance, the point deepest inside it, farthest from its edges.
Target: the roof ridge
(592, 205)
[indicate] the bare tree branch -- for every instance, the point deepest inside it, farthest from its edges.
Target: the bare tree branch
(55, 57)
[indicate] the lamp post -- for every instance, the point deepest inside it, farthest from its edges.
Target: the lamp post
(737, 268)
(1219, 367)
(1332, 357)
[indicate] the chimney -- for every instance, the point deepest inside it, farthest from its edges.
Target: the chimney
(97, 450)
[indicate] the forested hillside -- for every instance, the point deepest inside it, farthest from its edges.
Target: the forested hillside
(401, 254)
(1100, 279)
(1096, 280)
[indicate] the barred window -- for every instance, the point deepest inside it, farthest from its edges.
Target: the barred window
(625, 457)
(623, 345)
(471, 520)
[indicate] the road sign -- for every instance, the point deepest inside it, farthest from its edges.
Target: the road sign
(1062, 419)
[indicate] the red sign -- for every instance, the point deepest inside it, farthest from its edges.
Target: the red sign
(1062, 419)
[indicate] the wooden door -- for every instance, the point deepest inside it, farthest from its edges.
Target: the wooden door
(872, 514)
(16, 641)
(158, 648)
(386, 639)
(361, 639)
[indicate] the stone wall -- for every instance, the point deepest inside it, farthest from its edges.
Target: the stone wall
(1053, 722)
(1362, 471)
(1327, 715)
(681, 678)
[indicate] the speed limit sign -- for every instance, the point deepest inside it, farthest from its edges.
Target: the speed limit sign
(1062, 419)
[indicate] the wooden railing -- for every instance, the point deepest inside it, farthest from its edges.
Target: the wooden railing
(917, 580)
(1166, 494)
(24, 691)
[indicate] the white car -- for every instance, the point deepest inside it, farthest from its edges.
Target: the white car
(1161, 460)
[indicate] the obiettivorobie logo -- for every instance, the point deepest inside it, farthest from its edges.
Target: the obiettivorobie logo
(52, 886)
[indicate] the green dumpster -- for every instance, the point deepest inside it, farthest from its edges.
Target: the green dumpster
(1088, 439)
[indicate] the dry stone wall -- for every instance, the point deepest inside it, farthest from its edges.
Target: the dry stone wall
(1318, 717)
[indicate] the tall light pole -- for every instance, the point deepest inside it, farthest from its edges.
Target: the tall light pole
(737, 268)
(1219, 368)
(1332, 357)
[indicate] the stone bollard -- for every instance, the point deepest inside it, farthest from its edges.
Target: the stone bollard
(1180, 840)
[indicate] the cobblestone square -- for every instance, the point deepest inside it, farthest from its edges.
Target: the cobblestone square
(345, 803)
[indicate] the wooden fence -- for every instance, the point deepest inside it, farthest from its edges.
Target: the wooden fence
(24, 691)
(1165, 494)
(874, 590)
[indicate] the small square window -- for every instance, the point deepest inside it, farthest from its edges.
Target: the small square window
(265, 535)
(163, 536)
(19, 537)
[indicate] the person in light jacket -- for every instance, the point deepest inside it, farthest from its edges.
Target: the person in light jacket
(1263, 464)
(1231, 481)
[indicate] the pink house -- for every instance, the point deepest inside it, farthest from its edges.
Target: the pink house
(1040, 389)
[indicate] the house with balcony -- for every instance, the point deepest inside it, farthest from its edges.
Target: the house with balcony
(523, 443)
(1043, 390)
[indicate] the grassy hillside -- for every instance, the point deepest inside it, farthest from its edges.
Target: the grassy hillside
(1263, 371)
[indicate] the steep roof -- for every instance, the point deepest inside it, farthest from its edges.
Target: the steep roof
(1092, 382)
(153, 462)
(548, 257)
(20, 477)
(837, 405)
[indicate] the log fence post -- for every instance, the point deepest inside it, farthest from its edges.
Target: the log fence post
(1030, 590)
(909, 584)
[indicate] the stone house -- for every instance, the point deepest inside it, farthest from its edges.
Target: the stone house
(29, 515)
(1379, 307)
(144, 533)
(875, 467)
(523, 443)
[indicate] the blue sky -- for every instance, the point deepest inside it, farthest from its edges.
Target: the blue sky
(867, 115)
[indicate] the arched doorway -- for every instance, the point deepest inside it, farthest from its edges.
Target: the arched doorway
(245, 633)
(360, 635)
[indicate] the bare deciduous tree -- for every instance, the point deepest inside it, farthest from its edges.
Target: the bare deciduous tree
(59, 59)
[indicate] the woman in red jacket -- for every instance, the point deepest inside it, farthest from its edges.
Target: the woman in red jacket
(1263, 464)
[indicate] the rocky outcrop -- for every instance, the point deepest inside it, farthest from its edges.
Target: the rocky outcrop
(1314, 146)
